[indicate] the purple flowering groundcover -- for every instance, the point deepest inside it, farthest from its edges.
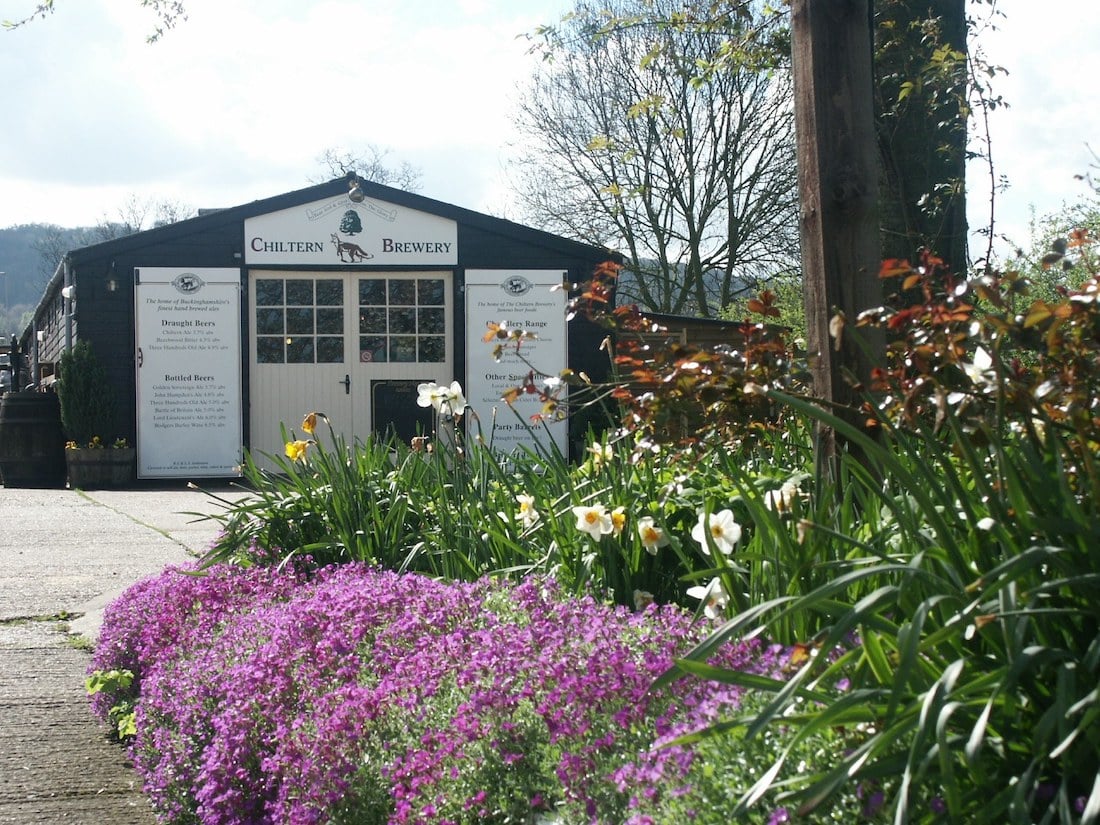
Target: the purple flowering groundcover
(349, 694)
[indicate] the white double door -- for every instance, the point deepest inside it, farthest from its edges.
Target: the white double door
(351, 345)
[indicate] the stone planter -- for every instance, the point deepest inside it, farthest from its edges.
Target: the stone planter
(92, 469)
(122, 460)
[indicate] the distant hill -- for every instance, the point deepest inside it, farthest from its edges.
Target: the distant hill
(29, 255)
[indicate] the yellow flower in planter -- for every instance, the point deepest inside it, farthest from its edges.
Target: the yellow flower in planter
(95, 444)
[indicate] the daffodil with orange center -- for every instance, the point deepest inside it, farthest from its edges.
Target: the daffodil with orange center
(652, 536)
(718, 529)
(594, 520)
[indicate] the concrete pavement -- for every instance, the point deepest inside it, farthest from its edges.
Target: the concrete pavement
(64, 555)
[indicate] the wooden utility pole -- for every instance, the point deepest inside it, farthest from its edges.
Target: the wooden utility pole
(838, 180)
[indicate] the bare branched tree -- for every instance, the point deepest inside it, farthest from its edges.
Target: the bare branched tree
(134, 215)
(51, 248)
(137, 214)
(370, 164)
(670, 141)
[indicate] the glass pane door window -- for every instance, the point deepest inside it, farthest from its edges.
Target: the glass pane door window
(324, 340)
(402, 319)
(299, 320)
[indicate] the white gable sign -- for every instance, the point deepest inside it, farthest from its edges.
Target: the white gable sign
(338, 231)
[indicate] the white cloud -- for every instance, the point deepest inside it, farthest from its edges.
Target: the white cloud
(1040, 142)
(239, 101)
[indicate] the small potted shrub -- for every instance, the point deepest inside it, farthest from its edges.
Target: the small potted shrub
(87, 414)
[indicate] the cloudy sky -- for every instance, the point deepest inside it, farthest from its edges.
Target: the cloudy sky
(239, 101)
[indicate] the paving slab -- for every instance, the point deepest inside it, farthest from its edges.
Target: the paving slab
(64, 555)
(57, 766)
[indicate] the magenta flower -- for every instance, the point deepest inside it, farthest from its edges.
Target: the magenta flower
(269, 696)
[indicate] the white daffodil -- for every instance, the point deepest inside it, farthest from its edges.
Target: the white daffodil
(782, 500)
(653, 537)
(714, 598)
(803, 529)
(836, 329)
(446, 400)
(527, 512)
(723, 531)
(980, 370)
(429, 395)
(453, 401)
(594, 520)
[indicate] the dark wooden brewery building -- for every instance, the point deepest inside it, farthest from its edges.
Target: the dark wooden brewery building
(342, 298)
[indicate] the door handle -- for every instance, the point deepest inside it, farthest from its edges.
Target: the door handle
(347, 384)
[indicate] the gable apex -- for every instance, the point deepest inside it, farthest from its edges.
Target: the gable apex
(339, 230)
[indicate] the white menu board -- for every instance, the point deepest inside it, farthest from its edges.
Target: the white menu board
(188, 361)
(531, 300)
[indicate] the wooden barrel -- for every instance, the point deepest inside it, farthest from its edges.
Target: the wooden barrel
(32, 444)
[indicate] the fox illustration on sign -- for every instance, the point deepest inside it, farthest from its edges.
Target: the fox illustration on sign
(353, 250)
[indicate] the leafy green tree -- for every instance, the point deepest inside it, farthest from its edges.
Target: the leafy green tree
(87, 406)
(785, 293)
(922, 89)
(1051, 265)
